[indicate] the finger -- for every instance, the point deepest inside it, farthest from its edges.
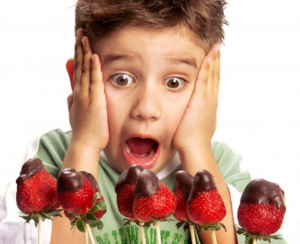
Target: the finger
(70, 71)
(212, 70)
(203, 75)
(70, 102)
(202, 78)
(217, 71)
(96, 86)
(78, 59)
(203, 72)
(86, 68)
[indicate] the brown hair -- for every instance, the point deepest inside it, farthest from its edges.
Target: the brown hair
(99, 18)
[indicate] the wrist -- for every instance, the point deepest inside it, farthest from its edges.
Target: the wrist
(81, 156)
(84, 146)
(200, 157)
(195, 149)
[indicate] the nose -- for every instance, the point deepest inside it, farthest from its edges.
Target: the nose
(146, 105)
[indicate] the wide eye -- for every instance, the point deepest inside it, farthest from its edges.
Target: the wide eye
(174, 83)
(122, 79)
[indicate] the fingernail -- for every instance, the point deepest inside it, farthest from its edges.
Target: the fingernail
(77, 33)
(83, 41)
(208, 60)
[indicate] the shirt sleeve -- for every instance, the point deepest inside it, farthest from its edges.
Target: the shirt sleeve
(229, 164)
(52, 149)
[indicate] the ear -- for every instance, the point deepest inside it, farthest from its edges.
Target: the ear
(70, 70)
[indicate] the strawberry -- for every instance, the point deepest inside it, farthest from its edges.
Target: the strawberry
(153, 200)
(75, 192)
(261, 210)
(184, 182)
(36, 192)
(124, 189)
(205, 206)
(79, 195)
(99, 214)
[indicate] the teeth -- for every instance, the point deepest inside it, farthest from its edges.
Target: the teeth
(152, 152)
(127, 148)
(140, 156)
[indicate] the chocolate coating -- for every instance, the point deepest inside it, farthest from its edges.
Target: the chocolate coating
(69, 180)
(147, 184)
(203, 181)
(263, 191)
(185, 182)
(129, 176)
(91, 179)
(29, 169)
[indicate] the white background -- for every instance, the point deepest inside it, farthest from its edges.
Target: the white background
(259, 111)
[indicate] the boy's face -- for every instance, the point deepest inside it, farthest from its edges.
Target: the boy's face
(149, 77)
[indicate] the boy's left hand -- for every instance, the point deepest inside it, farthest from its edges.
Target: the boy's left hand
(199, 121)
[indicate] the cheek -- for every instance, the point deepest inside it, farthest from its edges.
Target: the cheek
(115, 110)
(175, 111)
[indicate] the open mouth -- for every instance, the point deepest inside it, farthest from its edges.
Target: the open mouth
(141, 151)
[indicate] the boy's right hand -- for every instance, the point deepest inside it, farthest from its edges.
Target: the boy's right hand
(87, 104)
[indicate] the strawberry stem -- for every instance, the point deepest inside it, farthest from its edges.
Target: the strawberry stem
(213, 237)
(39, 230)
(142, 233)
(157, 232)
(192, 231)
(86, 238)
(90, 233)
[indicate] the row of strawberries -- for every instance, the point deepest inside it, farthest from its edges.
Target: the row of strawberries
(144, 199)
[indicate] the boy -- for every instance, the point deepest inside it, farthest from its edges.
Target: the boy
(153, 94)
(145, 78)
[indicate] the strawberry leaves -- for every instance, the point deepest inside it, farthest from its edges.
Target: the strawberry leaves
(97, 206)
(187, 223)
(251, 237)
(216, 226)
(46, 214)
(80, 220)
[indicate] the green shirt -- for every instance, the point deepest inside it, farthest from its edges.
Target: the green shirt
(52, 149)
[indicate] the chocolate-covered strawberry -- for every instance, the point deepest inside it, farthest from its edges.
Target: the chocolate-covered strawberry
(36, 191)
(261, 211)
(75, 192)
(184, 182)
(99, 197)
(124, 190)
(205, 206)
(80, 198)
(153, 200)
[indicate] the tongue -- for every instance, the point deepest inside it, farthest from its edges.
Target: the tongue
(141, 146)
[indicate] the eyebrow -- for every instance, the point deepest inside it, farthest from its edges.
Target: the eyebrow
(113, 57)
(189, 61)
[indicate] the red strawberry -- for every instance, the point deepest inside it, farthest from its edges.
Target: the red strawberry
(124, 189)
(36, 190)
(79, 195)
(205, 205)
(99, 214)
(262, 208)
(153, 200)
(75, 192)
(184, 182)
